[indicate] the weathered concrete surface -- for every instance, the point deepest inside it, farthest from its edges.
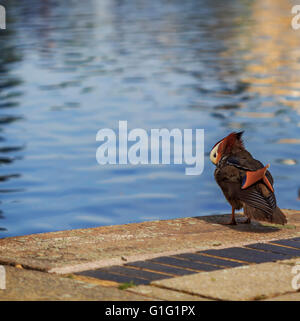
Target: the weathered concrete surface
(252, 282)
(24, 284)
(164, 294)
(286, 297)
(82, 249)
(75, 250)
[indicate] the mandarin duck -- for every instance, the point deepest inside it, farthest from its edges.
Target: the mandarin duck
(245, 182)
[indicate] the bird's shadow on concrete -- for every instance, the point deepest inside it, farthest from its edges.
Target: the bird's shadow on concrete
(254, 226)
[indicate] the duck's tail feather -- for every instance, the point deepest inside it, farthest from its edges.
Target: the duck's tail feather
(277, 217)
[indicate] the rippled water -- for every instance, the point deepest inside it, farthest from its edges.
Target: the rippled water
(69, 68)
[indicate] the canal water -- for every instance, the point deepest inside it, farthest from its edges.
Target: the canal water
(70, 68)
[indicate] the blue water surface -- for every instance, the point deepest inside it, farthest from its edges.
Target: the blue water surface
(70, 68)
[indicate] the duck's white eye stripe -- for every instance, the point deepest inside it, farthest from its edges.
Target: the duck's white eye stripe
(214, 153)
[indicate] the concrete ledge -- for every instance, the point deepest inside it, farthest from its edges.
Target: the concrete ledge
(286, 297)
(165, 294)
(27, 258)
(82, 249)
(26, 285)
(252, 282)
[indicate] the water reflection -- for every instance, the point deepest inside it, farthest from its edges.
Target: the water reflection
(10, 56)
(68, 69)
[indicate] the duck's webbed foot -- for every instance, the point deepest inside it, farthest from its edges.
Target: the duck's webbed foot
(232, 221)
(246, 221)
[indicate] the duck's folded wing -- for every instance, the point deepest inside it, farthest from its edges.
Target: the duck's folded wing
(259, 197)
(256, 183)
(252, 171)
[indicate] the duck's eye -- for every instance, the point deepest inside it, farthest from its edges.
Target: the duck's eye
(215, 155)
